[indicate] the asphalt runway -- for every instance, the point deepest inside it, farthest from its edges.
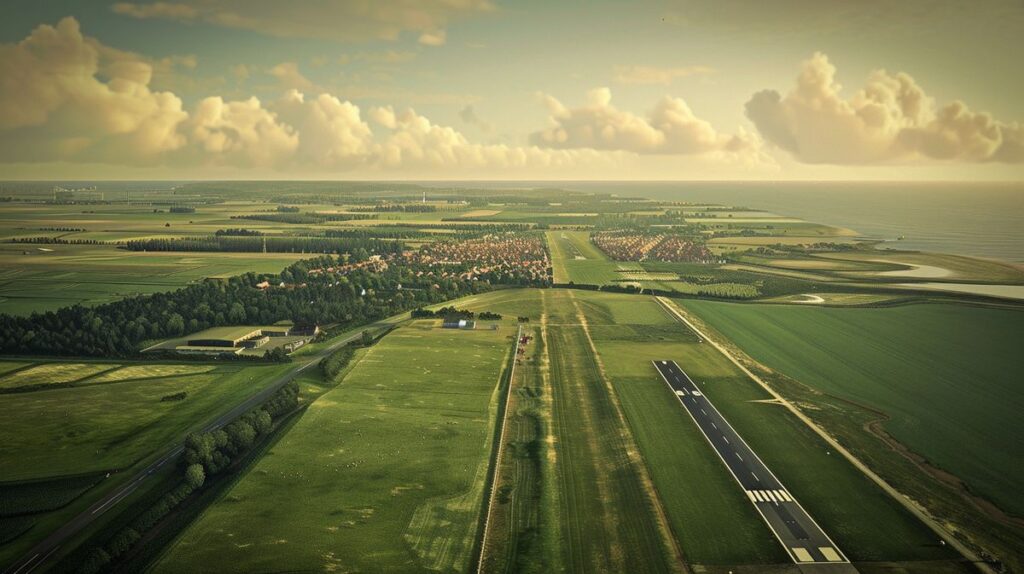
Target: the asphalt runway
(804, 541)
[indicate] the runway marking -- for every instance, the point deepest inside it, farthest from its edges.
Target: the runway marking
(704, 412)
(799, 555)
(714, 425)
(771, 495)
(802, 555)
(726, 439)
(830, 554)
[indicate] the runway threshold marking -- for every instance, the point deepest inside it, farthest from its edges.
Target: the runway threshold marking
(794, 538)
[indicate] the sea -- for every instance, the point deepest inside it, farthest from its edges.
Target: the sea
(976, 219)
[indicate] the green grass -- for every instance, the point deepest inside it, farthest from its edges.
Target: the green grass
(947, 375)
(149, 372)
(93, 428)
(384, 472)
(607, 520)
(865, 522)
(33, 280)
(52, 373)
(574, 258)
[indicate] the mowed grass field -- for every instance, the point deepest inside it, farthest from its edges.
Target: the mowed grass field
(75, 430)
(865, 522)
(574, 258)
(383, 473)
(609, 517)
(947, 375)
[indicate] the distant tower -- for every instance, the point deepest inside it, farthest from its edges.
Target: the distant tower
(424, 196)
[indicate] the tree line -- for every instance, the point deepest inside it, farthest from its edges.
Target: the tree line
(120, 328)
(205, 455)
(257, 244)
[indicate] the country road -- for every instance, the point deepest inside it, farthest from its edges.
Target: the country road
(48, 547)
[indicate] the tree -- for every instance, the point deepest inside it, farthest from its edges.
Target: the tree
(367, 338)
(237, 313)
(195, 476)
(175, 325)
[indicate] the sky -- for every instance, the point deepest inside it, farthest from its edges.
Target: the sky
(524, 90)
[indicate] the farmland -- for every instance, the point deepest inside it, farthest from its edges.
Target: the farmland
(386, 462)
(924, 366)
(102, 427)
(386, 471)
(838, 496)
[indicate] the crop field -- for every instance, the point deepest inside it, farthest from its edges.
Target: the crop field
(946, 375)
(93, 274)
(93, 428)
(149, 372)
(385, 472)
(52, 373)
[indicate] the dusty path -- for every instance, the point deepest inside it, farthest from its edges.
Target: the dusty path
(904, 501)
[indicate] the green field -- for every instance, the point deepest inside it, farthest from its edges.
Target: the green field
(575, 259)
(609, 518)
(104, 427)
(864, 521)
(51, 374)
(385, 472)
(946, 375)
(33, 280)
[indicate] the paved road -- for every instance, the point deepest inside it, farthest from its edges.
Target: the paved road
(48, 547)
(804, 541)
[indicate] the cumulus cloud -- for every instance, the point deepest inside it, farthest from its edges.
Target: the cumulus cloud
(333, 133)
(51, 94)
(670, 128)
(890, 119)
(415, 142)
(657, 75)
(241, 133)
(342, 20)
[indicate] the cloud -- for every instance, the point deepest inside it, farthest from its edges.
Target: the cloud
(387, 57)
(242, 133)
(436, 38)
(288, 74)
(890, 119)
(53, 98)
(414, 142)
(670, 128)
(342, 20)
(332, 132)
(657, 75)
(468, 115)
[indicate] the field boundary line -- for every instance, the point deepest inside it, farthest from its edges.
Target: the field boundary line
(500, 452)
(907, 503)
